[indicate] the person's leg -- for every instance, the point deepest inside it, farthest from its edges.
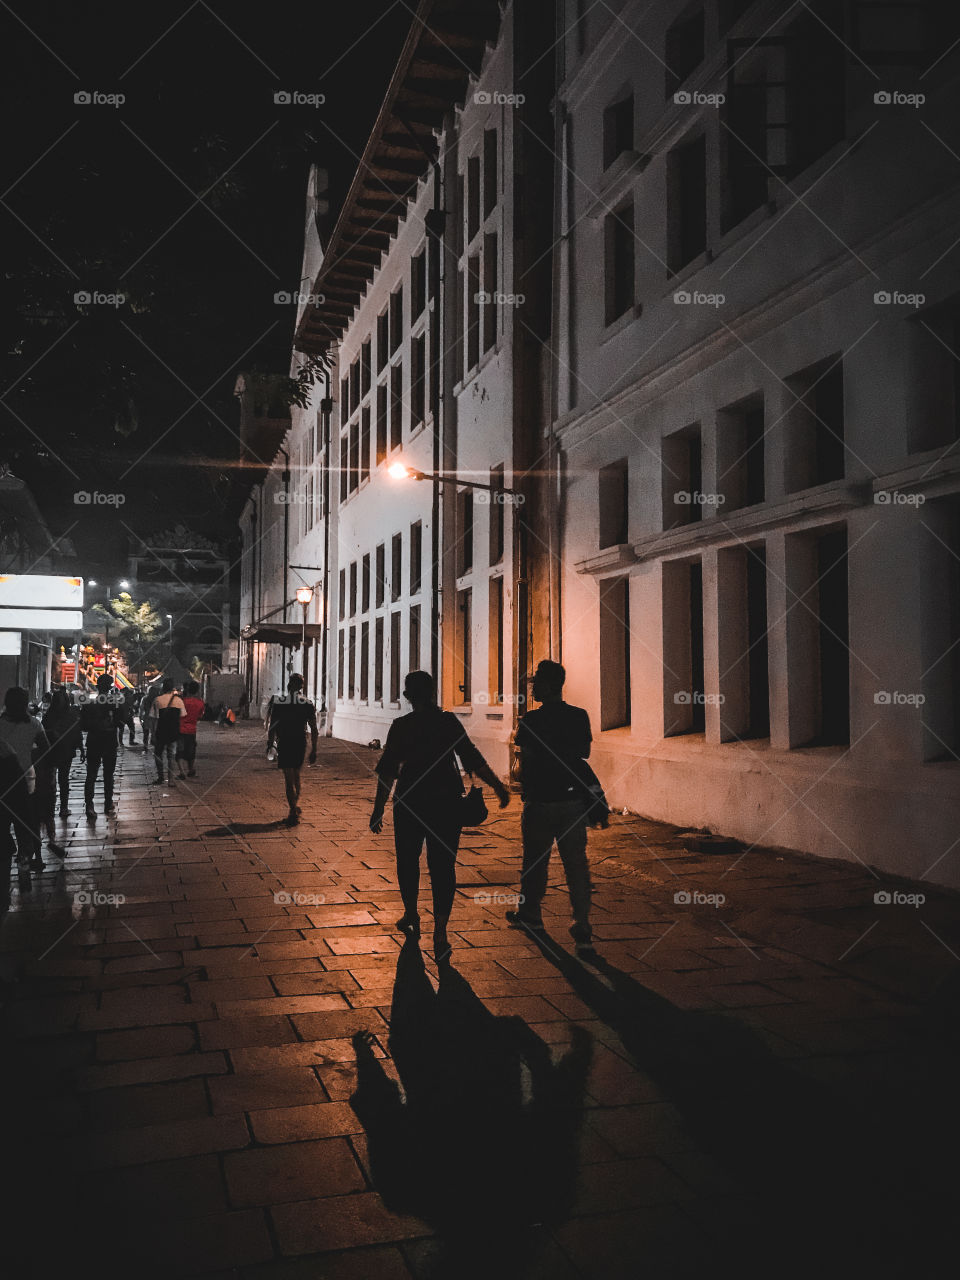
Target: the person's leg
(94, 757)
(179, 757)
(169, 750)
(190, 754)
(443, 841)
(158, 757)
(571, 829)
(408, 836)
(537, 833)
(63, 782)
(109, 768)
(291, 787)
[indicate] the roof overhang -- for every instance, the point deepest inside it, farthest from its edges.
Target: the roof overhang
(443, 50)
(289, 634)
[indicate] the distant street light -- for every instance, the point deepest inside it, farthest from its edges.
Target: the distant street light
(304, 596)
(124, 584)
(400, 471)
(170, 635)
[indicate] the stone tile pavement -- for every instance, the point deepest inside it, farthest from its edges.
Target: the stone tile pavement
(220, 1062)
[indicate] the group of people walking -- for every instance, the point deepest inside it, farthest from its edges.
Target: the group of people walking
(37, 752)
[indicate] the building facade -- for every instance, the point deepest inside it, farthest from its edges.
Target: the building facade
(757, 418)
(661, 281)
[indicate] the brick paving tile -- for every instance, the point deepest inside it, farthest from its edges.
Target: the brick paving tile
(193, 1062)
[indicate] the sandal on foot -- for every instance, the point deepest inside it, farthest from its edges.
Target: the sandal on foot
(409, 925)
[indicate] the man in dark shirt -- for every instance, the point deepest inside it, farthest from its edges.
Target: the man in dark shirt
(552, 742)
(290, 717)
(100, 719)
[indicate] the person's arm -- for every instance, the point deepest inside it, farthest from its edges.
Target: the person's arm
(388, 767)
(384, 788)
(474, 763)
(312, 722)
(587, 737)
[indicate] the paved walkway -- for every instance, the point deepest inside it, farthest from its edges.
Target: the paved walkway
(222, 1064)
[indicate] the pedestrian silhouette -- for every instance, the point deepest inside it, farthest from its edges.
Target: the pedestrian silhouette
(421, 757)
(553, 742)
(170, 710)
(290, 718)
(24, 734)
(100, 718)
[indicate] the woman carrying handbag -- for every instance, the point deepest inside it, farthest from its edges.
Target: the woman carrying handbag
(421, 757)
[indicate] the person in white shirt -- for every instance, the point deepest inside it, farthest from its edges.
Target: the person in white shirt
(169, 708)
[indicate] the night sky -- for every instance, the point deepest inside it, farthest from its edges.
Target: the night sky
(188, 200)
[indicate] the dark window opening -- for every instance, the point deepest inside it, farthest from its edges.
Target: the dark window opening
(684, 48)
(687, 184)
(614, 653)
(619, 260)
(614, 495)
(617, 130)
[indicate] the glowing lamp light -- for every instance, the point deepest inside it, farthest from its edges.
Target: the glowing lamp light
(124, 584)
(304, 595)
(398, 471)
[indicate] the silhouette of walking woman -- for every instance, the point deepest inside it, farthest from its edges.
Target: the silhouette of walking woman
(421, 757)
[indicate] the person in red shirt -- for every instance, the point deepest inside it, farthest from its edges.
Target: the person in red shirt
(187, 742)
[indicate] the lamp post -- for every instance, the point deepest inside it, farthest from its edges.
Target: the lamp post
(304, 596)
(400, 471)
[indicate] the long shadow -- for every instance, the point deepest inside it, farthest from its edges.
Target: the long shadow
(481, 1142)
(837, 1187)
(239, 828)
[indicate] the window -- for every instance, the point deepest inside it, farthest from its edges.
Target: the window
(364, 661)
(344, 465)
(344, 399)
(834, 637)
(414, 650)
(343, 594)
(416, 557)
(395, 657)
(365, 584)
(365, 368)
(381, 575)
(418, 285)
(354, 456)
(352, 664)
(396, 566)
(340, 661)
(495, 643)
(464, 530)
(617, 130)
(490, 182)
(683, 703)
(614, 500)
(396, 406)
(473, 311)
(378, 659)
(396, 320)
(815, 451)
(742, 642)
(684, 48)
(491, 307)
(381, 422)
(496, 515)
(740, 453)
(354, 384)
(418, 381)
(687, 187)
(353, 589)
(364, 444)
(614, 653)
(473, 196)
(785, 105)
(462, 649)
(383, 341)
(619, 247)
(682, 458)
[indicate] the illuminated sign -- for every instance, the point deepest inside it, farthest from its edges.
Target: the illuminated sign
(41, 619)
(40, 591)
(9, 644)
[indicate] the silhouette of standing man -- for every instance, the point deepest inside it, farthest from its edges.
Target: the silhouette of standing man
(552, 742)
(290, 717)
(100, 718)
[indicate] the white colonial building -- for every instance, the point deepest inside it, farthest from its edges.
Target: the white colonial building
(713, 399)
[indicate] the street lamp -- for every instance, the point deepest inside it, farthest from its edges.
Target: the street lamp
(304, 596)
(400, 471)
(170, 634)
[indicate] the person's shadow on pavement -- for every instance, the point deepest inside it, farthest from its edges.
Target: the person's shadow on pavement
(832, 1181)
(482, 1141)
